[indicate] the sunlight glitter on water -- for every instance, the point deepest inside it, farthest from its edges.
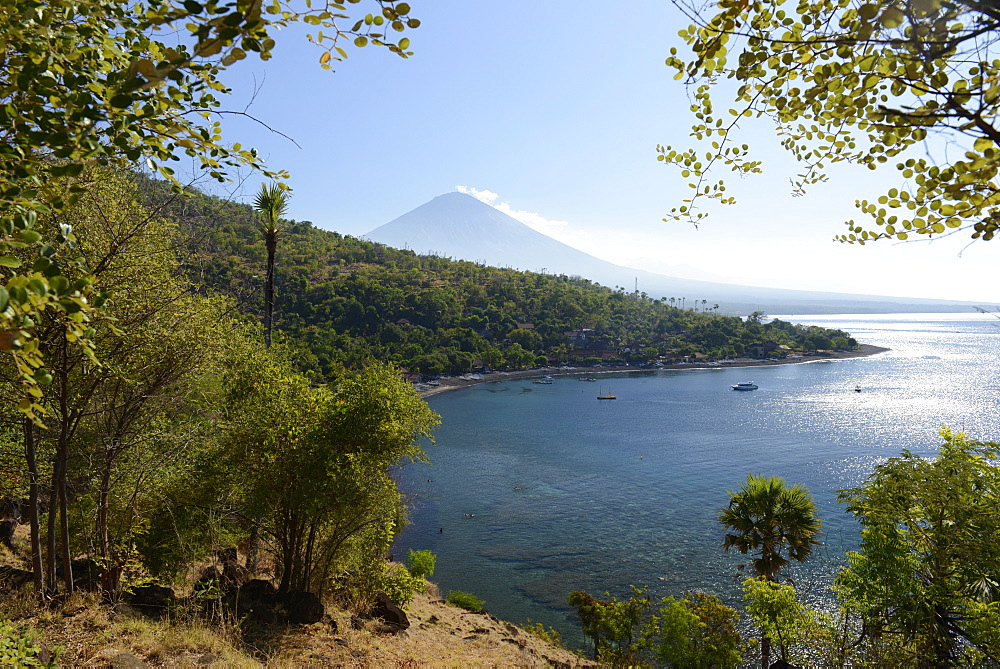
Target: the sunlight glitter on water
(568, 494)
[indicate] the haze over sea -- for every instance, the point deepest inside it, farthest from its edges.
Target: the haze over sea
(537, 490)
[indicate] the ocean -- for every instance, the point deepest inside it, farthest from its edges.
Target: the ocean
(534, 491)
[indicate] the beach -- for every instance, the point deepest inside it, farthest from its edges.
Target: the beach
(464, 381)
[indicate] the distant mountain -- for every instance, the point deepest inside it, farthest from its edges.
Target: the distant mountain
(459, 226)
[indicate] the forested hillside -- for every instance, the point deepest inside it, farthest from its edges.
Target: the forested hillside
(346, 300)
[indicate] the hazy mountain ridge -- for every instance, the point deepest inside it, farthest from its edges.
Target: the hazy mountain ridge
(460, 226)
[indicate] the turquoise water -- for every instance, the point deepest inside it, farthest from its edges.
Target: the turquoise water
(538, 490)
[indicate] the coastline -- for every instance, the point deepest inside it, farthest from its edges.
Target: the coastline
(457, 382)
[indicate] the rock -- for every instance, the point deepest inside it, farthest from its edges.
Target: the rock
(304, 608)
(44, 655)
(259, 599)
(255, 598)
(13, 578)
(126, 661)
(151, 600)
(387, 611)
(7, 528)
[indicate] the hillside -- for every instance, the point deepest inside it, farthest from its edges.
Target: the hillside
(346, 300)
(459, 226)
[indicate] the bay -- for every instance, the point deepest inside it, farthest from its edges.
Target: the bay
(534, 491)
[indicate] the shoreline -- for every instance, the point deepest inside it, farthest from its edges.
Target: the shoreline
(458, 382)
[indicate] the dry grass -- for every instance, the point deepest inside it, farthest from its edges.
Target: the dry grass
(90, 633)
(87, 632)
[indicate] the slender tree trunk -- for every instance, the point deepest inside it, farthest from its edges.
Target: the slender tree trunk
(50, 539)
(67, 558)
(765, 651)
(271, 242)
(35, 528)
(62, 457)
(307, 566)
(108, 570)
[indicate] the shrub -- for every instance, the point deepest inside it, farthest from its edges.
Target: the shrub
(465, 600)
(399, 585)
(18, 649)
(421, 563)
(549, 635)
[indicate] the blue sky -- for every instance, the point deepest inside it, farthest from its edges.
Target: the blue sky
(553, 111)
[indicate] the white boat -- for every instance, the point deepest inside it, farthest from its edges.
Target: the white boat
(546, 381)
(746, 385)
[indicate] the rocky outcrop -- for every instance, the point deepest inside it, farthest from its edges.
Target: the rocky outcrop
(150, 600)
(260, 600)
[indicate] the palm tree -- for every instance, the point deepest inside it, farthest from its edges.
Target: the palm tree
(271, 201)
(775, 521)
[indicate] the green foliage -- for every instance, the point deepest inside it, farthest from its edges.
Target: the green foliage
(97, 83)
(549, 635)
(465, 600)
(399, 585)
(18, 649)
(696, 632)
(613, 626)
(348, 301)
(770, 517)
(421, 563)
(928, 567)
(857, 82)
(313, 462)
(780, 617)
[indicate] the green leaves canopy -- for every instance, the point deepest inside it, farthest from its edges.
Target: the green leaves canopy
(773, 518)
(94, 82)
(860, 82)
(928, 568)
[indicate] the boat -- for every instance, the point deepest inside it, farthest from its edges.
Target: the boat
(588, 378)
(746, 385)
(545, 381)
(606, 397)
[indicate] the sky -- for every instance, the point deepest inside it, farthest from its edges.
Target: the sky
(552, 112)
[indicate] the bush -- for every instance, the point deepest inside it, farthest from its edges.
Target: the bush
(549, 635)
(18, 649)
(465, 600)
(421, 563)
(399, 585)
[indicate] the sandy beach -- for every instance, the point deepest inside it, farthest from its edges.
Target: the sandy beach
(455, 382)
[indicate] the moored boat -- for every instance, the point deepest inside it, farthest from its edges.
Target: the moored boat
(746, 385)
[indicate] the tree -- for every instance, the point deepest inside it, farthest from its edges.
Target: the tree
(612, 625)
(774, 520)
(106, 430)
(271, 202)
(798, 631)
(859, 82)
(313, 464)
(90, 83)
(695, 632)
(928, 568)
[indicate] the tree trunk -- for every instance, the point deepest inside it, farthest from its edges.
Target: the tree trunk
(35, 528)
(62, 461)
(50, 540)
(271, 242)
(765, 652)
(109, 582)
